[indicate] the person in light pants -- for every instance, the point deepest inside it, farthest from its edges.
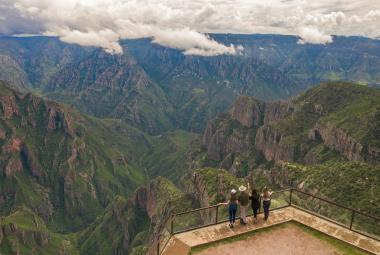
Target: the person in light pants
(244, 202)
(266, 197)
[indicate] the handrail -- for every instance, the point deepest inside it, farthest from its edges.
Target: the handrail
(339, 205)
(292, 190)
(291, 203)
(217, 205)
(196, 210)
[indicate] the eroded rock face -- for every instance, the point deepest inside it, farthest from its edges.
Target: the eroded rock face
(146, 198)
(223, 139)
(336, 139)
(13, 166)
(220, 142)
(26, 237)
(275, 111)
(373, 154)
(2, 134)
(9, 106)
(248, 112)
(14, 145)
(269, 142)
(12, 72)
(198, 188)
(32, 164)
(279, 131)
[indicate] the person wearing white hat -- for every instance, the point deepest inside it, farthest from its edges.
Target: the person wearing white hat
(243, 199)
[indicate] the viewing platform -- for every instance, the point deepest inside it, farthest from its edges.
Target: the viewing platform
(202, 231)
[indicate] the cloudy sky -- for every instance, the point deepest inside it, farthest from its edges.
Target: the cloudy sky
(182, 24)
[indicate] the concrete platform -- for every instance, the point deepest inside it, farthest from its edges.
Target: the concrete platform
(181, 244)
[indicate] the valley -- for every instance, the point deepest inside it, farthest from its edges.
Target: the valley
(97, 150)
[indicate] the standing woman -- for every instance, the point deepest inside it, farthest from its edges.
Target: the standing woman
(255, 203)
(266, 196)
(232, 207)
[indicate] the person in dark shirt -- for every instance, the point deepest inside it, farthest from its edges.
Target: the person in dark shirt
(255, 203)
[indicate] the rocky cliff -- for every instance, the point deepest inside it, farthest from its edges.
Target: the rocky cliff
(222, 140)
(336, 139)
(248, 112)
(270, 142)
(22, 232)
(52, 161)
(308, 129)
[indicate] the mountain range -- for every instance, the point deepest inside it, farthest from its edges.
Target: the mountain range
(182, 91)
(96, 150)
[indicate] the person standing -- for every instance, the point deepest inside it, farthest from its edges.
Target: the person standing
(255, 203)
(243, 199)
(266, 197)
(232, 207)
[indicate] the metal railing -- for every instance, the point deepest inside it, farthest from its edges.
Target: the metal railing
(350, 218)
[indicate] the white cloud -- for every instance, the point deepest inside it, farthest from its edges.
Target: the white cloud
(183, 24)
(193, 42)
(314, 36)
(106, 39)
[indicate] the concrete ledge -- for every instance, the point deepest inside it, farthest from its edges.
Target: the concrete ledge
(329, 228)
(181, 244)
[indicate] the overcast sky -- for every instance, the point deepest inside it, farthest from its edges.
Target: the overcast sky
(182, 24)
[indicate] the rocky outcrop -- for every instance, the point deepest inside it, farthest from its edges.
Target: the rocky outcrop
(275, 111)
(13, 166)
(9, 106)
(27, 237)
(14, 146)
(223, 138)
(336, 139)
(12, 72)
(2, 133)
(198, 188)
(146, 198)
(280, 129)
(155, 199)
(221, 141)
(270, 142)
(373, 155)
(248, 112)
(32, 164)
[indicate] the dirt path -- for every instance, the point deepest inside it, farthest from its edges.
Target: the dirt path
(290, 240)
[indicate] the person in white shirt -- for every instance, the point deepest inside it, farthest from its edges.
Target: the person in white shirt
(266, 197)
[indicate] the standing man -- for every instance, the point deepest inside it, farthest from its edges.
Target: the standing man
(243, 199)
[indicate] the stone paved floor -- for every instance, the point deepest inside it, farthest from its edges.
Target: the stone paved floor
(182, 243)
(289, 240)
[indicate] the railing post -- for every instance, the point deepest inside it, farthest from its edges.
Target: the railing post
(290, 197)
(172, 224)
(216, 215)
(352, 219)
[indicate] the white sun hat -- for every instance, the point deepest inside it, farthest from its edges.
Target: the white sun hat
(233, 191)
(242, 188)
